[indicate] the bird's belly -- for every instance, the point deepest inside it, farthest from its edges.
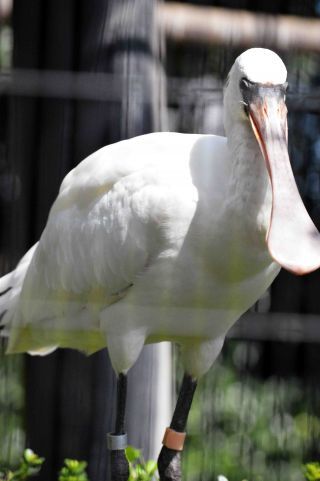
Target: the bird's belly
(181, 306)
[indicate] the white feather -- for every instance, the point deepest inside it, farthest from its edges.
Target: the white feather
(161, 237)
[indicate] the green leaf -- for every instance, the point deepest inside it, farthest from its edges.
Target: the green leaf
(151, 467)
(133, 454)
(73, 470)
(311, 471)
(32, 458)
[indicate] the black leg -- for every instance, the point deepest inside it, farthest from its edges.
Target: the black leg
(169, 461)
(117, 440)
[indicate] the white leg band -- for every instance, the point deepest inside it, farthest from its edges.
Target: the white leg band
(116, 442)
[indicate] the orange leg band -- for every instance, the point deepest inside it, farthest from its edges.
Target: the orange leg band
(173, 440)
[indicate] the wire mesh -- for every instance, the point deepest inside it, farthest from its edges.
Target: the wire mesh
(255, 419)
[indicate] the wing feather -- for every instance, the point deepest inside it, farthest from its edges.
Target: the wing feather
(104, 229)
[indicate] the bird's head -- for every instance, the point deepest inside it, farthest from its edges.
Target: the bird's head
(255, 98)
(256, 68)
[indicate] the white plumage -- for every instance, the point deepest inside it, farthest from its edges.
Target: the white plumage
(161, 237)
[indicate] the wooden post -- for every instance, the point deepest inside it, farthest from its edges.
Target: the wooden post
(238, 28)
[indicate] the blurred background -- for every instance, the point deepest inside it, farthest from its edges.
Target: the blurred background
(77, 75)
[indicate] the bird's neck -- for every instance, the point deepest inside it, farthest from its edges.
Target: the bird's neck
(250, 193)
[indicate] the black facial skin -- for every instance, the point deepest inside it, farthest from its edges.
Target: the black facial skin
(252, 90)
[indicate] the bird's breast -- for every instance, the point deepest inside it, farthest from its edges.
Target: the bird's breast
(179, 301)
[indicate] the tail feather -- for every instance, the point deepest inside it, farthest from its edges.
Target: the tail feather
(10, 288)
(5, 283)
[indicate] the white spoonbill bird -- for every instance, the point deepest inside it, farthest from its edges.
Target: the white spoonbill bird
(167, 236)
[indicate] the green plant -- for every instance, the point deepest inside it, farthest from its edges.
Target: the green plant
(73, 471)
(140, 470)
(311, 471)
(249, 427)
(31, 463)
(29, 466)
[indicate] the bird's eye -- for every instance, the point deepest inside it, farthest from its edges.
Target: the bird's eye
(245, 83)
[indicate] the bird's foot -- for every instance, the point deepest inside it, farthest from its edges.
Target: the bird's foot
(118, 458)
(169, 464)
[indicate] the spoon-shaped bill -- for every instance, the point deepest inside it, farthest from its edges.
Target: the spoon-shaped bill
(293, 240)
